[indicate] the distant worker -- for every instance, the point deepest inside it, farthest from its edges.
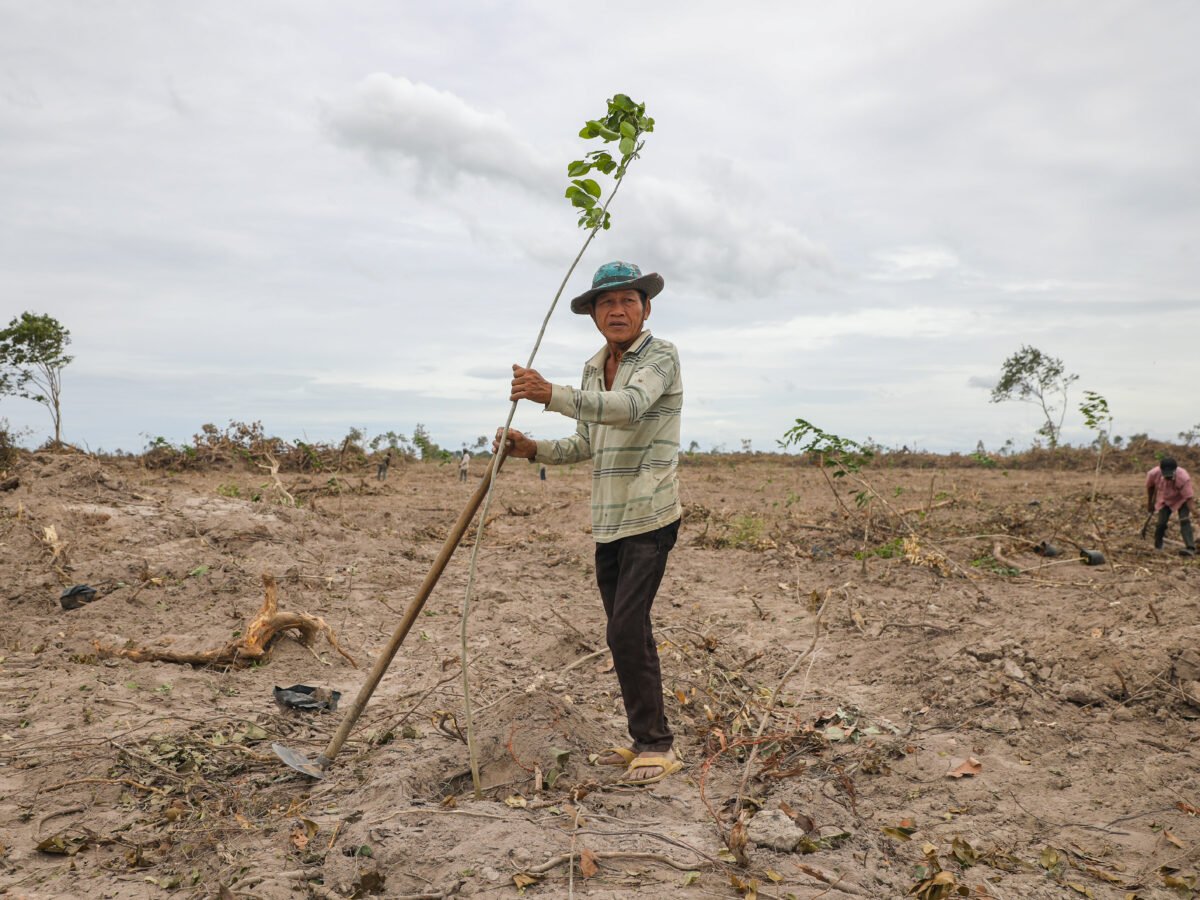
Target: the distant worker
(464, 465)
(542, 475)
(381, 469)
(1169, 487)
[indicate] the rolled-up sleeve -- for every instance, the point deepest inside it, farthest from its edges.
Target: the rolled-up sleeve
(620, 407)
(575, 448)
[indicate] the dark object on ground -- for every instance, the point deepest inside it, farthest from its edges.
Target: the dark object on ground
(1091, 557)
(10, 484)
(1187, 551)
(1045, 549)
(77, 596)
(303, 696)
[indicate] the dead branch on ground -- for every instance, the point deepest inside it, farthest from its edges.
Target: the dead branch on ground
(255, 645)
(273, 469)
(555, 861)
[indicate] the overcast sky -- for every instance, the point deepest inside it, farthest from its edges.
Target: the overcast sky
(325, 215)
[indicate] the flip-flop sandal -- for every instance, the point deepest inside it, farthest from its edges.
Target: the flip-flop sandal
(668, 766)
(627, 756)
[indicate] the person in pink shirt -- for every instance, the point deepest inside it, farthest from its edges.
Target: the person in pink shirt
(1169, 487)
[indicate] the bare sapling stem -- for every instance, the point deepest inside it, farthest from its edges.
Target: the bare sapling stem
(472, 749)
(626, 122)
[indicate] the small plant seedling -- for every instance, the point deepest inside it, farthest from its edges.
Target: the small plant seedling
(984, 460)
(842, 456)
(1098, 417)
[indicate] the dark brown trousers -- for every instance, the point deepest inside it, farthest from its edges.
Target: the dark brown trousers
(628, 572)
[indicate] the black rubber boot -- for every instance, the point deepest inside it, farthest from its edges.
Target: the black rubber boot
(1160, 527)
(1185, 527)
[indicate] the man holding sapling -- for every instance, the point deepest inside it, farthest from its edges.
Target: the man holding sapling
(627, 412)
(1169, 487)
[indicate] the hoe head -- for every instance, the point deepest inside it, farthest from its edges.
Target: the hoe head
(298, 761)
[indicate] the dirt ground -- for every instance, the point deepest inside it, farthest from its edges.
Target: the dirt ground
(959, 716)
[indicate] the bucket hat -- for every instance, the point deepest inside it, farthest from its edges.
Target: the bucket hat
(1167, 466)
(617, 276)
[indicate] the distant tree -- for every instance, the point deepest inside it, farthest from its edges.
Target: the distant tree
(1029, 375)
(32, 360)
(745, 445)
(1189, 437)
(425, 444)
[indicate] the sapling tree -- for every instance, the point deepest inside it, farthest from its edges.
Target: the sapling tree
(846, 458)
(841, 456)
(1097, 417)
(624, 123)
(32, 357)
(1030, 376)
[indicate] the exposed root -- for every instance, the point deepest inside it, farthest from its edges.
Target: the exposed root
(255, 645)
(998, 556)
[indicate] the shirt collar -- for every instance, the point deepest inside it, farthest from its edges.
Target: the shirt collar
(597, 361)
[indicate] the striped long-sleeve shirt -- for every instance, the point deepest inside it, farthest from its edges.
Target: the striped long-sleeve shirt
(631, 433)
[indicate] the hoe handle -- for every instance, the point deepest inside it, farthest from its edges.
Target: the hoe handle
(410, 615)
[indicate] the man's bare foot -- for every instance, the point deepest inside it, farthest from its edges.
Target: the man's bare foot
(652, 773)
(615, 756)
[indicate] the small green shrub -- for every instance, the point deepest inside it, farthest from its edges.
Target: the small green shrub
(891, 550)
(746, 531)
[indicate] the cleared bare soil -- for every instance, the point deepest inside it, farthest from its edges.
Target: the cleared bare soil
(961, 714)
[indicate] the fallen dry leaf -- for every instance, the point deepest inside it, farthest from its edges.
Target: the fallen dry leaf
(587, 863)
(969, 766)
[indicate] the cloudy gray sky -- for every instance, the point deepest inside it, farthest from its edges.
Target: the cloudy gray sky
(325, 215)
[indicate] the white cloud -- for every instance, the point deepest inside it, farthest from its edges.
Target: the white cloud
(913, 264)
(713, 232)
(777, 341)
(722, 244)
(389, 117)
